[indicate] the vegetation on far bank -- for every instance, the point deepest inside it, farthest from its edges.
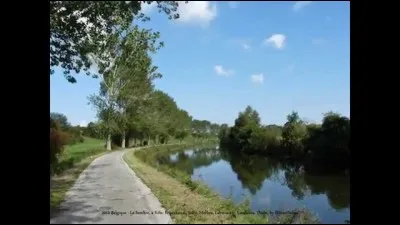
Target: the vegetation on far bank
(324, 144)
(197, 203)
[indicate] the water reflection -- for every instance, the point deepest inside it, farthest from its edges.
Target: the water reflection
(272, 184)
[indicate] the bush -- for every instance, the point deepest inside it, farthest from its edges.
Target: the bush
(63, 165)
(74, 136)
(57, 141)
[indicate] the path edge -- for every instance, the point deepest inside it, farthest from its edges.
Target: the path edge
(151, 194)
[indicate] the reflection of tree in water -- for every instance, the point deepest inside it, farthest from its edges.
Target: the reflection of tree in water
(188, 163)
(251, 170)
(336, 188)
(294, 179)
(302, 183)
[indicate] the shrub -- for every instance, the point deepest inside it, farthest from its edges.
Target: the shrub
(57, 141)
(74, 136)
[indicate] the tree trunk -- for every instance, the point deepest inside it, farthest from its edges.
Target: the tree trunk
(123, 140)
(109, 142)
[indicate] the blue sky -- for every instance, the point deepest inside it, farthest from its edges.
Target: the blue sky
(220, 57)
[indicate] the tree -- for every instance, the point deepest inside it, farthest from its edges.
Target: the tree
(61, 119)
(246, 130)
(122, 54)
(78, 28)
(329, 142)
(136, 92)
(182, 123)
(293, 133)
(93, 130)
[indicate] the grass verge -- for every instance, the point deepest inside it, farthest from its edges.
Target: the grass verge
(74, 160)
(191, 201)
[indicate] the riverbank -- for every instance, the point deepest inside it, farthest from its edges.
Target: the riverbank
(191, 201)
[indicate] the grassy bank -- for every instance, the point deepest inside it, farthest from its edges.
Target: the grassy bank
(192, 201)
(74, 160)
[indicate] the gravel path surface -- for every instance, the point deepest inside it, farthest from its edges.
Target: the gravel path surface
(109, 185)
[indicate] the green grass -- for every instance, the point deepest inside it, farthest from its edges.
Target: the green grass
(82, 150)
(73, 154)
(177, 192)
(73, 161)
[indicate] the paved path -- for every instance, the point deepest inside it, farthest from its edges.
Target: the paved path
(108, 184)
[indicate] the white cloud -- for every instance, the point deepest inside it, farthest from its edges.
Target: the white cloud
(147, 8)
(245, 46)
(276, 40)
(197, 12)
(257, 78)
(233, 4)
(300, 4)
(83, 123)
(223, 72)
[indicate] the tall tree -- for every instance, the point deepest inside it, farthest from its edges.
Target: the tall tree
(121, 52)
(137, 91)
(78, 28)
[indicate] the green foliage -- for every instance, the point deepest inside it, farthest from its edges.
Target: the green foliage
(126, 68)
(128, 107)
(78, 29)
(318, 144)
(293, 133)
(57, 141)
(74, 154)
(247, 134)
(70, 134)
(93, 130)
(61, 119)
(330, 141)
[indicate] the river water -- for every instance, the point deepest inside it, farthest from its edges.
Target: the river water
(271, 185)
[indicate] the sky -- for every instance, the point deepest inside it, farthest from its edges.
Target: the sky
(219, 57)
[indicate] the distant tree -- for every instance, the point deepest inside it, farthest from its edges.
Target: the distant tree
(330, 141)
(293, 133)
(61, 119)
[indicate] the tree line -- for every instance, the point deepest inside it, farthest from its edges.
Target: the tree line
(169, 122)
(103, 40)
(158, 121)
(318, 144)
